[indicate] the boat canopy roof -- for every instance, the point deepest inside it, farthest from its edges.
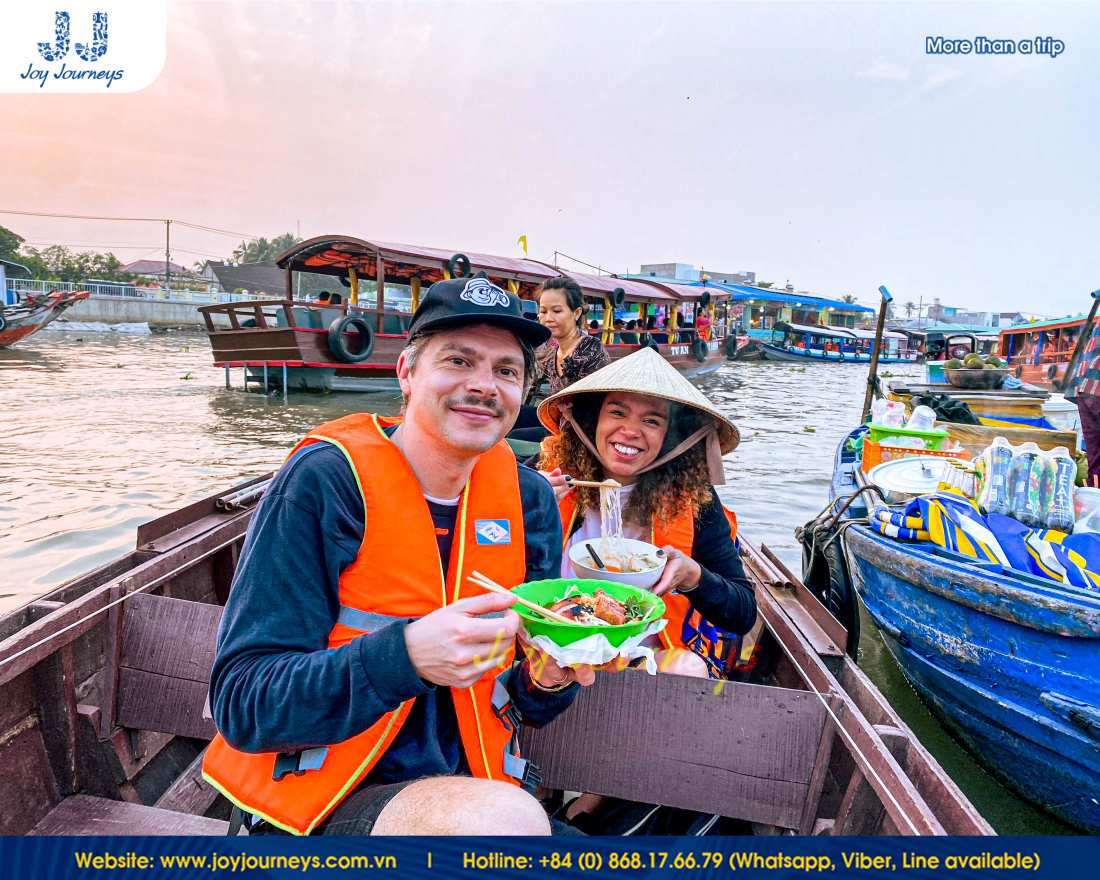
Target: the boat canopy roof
(1051, 324)
(600, 286)
(832, 332)
(336, 254)
(870, 334)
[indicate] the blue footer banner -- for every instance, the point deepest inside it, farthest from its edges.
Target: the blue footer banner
(124, 858)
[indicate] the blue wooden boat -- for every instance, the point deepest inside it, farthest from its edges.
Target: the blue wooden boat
(838, 345)
(1008, 661)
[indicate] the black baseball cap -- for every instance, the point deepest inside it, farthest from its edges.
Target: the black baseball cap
(474, 300)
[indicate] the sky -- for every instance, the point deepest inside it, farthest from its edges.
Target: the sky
(812, 143)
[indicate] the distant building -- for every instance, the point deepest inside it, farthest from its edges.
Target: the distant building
(265, 278)
(938, 313)
(153, 269)
(687, 272)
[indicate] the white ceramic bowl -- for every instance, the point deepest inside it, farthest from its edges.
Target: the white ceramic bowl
(643, 579)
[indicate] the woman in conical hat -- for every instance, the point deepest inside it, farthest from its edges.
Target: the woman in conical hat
(641, 423)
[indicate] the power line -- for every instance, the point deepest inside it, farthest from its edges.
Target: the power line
(130, 220)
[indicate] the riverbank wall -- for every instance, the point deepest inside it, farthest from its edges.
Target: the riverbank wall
(128, 310)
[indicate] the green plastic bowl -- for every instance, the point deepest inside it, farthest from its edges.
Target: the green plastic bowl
(542, 592)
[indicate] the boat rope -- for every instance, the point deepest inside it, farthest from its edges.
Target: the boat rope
(158, 580)
(826, 521)
(851, 742)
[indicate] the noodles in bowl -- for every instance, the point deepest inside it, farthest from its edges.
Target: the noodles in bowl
(636, 563)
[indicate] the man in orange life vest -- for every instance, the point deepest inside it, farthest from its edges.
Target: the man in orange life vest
(362, 684)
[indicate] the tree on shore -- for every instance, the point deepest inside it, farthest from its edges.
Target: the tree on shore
(58, 263)
(848, 298)
(260, 250)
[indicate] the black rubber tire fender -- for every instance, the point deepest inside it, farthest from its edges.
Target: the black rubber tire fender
(338, 347)
(459, 266)
(3, 323)
(1052, 371)
(730, 347)
(1019, 371)
(704, 299)
(649, 342)
(700, 350)
(617, 297)
(830, 582)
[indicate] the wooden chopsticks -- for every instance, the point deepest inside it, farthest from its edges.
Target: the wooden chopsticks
(605, 484)
(492, 586)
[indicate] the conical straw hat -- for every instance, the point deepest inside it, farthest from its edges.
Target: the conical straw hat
(643, 372)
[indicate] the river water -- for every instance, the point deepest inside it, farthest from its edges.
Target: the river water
(100, 432)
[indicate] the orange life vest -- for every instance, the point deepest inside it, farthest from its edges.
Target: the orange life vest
(397, 574)
(680, 533)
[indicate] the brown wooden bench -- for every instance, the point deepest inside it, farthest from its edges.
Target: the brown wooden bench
(160, 653)
(753, 752)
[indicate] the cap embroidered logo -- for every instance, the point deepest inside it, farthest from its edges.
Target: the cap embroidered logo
(482, 292)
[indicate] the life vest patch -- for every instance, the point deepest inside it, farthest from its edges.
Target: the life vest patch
(493, 531)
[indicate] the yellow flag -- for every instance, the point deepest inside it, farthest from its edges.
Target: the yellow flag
(522, 241)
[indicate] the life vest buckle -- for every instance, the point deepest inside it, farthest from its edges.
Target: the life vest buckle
(297, 763)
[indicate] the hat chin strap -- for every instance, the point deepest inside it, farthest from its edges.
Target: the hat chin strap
(709, 431)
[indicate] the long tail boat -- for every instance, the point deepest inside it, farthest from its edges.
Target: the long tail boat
(104, 718)
(302, 343)
(838, 345)
(24, 312)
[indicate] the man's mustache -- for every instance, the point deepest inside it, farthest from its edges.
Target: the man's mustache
(481, 402)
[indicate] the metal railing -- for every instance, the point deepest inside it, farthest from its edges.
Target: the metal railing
(104, 288)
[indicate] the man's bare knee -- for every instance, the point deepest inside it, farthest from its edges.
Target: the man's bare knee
(457, 805)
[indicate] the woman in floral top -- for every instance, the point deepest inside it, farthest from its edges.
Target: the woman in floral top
(571, 354)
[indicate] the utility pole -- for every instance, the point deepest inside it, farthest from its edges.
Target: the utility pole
(167, 255)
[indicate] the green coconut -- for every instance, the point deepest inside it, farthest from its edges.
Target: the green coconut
(974, 361)
(953, 364)
(994, 361)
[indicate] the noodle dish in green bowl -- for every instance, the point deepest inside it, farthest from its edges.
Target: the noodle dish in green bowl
(596, 607)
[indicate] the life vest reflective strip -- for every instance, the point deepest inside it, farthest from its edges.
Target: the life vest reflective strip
(399, 549)
(680, 533)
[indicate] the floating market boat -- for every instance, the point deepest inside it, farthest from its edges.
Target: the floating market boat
(103, 716)
(325, 336)
(1039, 352)
(24, 312)
(1008, 661)
(802, 342)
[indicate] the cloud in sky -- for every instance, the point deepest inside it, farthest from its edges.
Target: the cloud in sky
(884, 70)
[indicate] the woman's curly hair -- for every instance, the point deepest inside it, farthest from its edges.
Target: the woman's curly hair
(661, 494)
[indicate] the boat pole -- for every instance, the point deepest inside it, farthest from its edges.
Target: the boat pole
(872, 374)
(1082, 341)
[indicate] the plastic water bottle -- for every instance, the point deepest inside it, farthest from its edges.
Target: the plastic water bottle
(1060, 501)
(1026, 486)
(995, 495)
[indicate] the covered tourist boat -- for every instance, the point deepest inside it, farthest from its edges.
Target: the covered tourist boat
(803, 342)
(346, 316)
(24, 312)
(104, 722)
(1039, 353)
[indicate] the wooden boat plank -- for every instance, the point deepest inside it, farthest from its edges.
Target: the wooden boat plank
(25, 758)
(24, 649)
(87, 815)
(56, 690)
(808, 821)
(956, 813)
(754, 759)
(162, 526)
(190, 793)
(832, 627)
(894, 789)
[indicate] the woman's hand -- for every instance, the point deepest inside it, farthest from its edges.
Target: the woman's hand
(548, 675)
(557, 482)
(681, 573)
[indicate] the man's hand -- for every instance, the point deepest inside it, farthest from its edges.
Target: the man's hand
(546, 673)
(681, 573)
(452, 646)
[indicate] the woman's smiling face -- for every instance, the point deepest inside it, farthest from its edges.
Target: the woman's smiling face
(630, 432)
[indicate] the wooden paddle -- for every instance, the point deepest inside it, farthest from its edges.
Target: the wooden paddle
(872, 374)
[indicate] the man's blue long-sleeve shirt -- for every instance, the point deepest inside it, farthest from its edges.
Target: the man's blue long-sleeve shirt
(276, 686)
